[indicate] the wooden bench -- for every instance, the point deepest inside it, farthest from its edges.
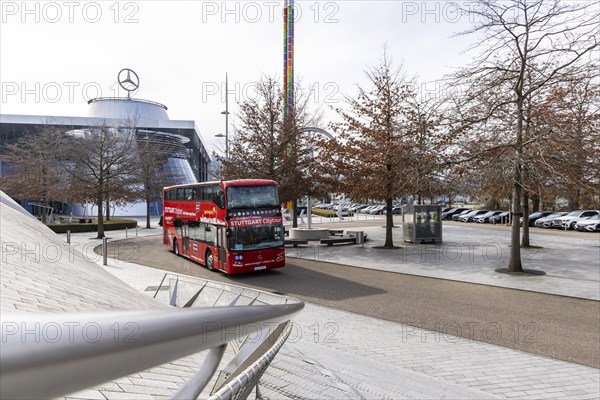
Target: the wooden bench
(342, 240)
(336, 232)
(295, 242)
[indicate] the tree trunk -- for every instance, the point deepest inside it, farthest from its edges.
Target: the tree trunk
(108, 209)
(525, 238)
(389, 224)
(100, 203)
(514, 261)
(294, 214)
(535, 203)
(147, 213)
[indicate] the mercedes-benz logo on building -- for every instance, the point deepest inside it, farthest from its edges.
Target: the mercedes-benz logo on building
(128, 80)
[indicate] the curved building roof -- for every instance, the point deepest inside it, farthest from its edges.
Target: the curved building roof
(127, 108)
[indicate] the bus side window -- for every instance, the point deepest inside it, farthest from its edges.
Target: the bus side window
(180, 194)
(219, 197)
(196, 194)
(193, 230)
(207, 193)
(201, 232)
(211, 234)
(188, 193)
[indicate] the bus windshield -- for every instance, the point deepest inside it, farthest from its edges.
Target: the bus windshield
(256, 237)
(252, 196)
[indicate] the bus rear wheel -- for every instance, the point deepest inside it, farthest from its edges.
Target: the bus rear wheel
(210, 261)
(175, 247)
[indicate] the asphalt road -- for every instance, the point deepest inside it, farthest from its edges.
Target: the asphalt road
(554, 326)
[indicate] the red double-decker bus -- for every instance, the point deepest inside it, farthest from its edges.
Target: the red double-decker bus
(230, 226)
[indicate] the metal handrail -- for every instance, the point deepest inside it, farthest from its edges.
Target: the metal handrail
(50, 209)
(215, 286)
(54, 355)
(239, 384)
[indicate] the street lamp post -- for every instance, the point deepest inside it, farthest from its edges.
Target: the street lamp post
(226, 113)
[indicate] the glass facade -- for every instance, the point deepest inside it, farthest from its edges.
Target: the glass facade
(180, 170)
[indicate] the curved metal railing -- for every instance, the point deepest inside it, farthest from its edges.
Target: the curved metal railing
(52, 355)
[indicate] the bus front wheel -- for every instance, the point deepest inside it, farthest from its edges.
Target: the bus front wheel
(175, 247)
(210, 261)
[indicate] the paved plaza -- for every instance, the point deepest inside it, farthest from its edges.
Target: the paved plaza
(472, 252)
(334, 354)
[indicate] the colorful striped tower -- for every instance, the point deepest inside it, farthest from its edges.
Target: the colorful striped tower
(288, 57)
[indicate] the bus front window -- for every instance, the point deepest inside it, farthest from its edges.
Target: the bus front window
(252, 196)
(256, 237)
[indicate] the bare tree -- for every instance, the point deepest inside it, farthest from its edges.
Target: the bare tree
(525, 47)
(101, 163)
(150, 170)
(381, 142)
(33, 172)
(267, 145)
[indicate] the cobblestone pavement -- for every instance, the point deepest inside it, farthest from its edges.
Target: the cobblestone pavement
(373, 359)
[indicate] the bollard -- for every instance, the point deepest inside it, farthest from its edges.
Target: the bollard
(136, 232)
(104, 251)
(125, 232)
(68, 236)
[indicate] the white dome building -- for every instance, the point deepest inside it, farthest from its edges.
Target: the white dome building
(187, 157)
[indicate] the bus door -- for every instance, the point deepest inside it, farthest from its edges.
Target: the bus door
(185, 239)
(221, 243)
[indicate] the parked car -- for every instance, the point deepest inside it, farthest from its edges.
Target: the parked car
(546, 222)
(377, 210)
(568, 221)
(460, 214)
(468, 217)
(500, 218)
(591, 224)
(595, 227)
(453, 211)
(366, 209)
(356, 207)
(485, 218)
(535, 216)
(395, 210)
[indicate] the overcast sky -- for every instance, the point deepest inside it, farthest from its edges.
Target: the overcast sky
(54, 56)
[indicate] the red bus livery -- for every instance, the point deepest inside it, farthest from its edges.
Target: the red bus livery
(231, 226)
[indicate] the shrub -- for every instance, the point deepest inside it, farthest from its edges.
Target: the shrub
(112, 225)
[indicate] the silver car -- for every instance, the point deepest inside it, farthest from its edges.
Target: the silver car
(568, 221)
(590, 224)
(546, 222)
